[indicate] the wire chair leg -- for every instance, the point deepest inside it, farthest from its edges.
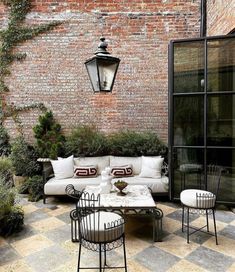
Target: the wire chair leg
(183, 219)
(105, 263)
(124, 254)
(187, 225)
(207, 221)
(100, 258)
(79, 256)
(216, 239)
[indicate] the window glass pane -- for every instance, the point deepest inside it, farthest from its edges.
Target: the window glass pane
(187, 169)
(221, 120)
(188, 120)
(226, 158)
(189, 67)
(221, 65)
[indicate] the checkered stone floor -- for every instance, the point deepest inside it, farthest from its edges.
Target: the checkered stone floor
(44, 243)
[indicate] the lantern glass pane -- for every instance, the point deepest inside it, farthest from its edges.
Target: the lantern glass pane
(107, 71)
(93, 74)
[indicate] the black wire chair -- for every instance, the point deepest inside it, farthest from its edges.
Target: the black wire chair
(202, 201)
(75, 194)
(99, 230)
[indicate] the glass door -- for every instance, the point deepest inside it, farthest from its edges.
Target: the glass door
(202, 113)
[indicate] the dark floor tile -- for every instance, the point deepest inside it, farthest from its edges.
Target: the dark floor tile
(7, 254)
(197, 237)
(35, 216)
(64, 217)
(177, 215)
(209, 259)
(228, 231)
(60, 234)
(27, 231)
(224, 216)
(156, 259)
(48, 259)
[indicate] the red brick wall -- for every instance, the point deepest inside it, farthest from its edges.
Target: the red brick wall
(220, 17)
(138, 32)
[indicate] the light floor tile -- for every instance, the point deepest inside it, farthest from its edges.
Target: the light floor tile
(71, 248)
(170, 225)
(186, 266)
(47, 224)
(233, 223)
(16, 266)
(133, 246)
(201, 221)
(60, 210)
(29, 208)
(225, 246)
(31, 245)
(166, 209)
(177, 246)
(133, 266)
(231, 268)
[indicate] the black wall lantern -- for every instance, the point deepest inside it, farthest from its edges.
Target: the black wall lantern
(102, 68)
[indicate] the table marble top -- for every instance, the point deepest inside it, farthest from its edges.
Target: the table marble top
(136, 196)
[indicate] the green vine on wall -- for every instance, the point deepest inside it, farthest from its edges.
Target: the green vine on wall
(16, 33)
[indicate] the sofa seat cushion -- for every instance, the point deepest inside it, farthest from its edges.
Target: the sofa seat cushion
(157, 185)
(57, 186)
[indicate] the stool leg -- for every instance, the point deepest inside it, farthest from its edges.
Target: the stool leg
(207, 221)
(124, 253)
(183, 219)
(187, 225)
(79, 256)
(100, 258)
(216, 239)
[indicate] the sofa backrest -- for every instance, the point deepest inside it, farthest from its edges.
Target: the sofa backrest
(120, 161)
(101, 162)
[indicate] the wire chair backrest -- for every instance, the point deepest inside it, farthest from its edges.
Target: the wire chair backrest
(72, 192)
(214, 173)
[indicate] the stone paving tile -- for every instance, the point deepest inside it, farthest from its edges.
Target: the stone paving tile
(186, 266)
(8, 254)
(223, 216)
(16, 266)
(231, 268)
(154, 258)
(47, 259)
(228, 231)
(60, 234)
(176, 245)
(29, 208)
(32, 244)
(47, 224)
(35, 216)
(65, 217)
(170, 225)
(26, 232)
(209, 259)
(177, 215)
(2, 242)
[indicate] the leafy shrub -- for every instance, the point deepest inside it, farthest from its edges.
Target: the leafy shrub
(86, 141)
(50, 141)
(6, 171)
(11, 215)
(24, 158)
(33, 186)
(130, 143)
(5, 147)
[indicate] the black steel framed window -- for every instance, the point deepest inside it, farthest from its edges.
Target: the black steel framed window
(202, 113)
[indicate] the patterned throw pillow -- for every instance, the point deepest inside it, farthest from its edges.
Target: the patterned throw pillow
(122, 171)
(85, 171)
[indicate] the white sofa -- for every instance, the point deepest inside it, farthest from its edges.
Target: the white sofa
(56, 185)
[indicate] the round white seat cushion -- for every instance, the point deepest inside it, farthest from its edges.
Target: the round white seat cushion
(205, 199)
(93, 227)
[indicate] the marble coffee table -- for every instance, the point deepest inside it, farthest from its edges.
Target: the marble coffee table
(138, 200)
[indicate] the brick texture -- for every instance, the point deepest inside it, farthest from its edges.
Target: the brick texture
(220, 17)
(138, 32)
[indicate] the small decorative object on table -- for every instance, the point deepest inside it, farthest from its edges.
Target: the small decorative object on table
(121, 185)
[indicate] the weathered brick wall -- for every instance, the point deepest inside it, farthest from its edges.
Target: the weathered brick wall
(138, 32)
(220, 17)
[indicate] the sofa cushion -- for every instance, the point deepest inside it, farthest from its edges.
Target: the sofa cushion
(122, 171)
(101, 162)
(120, 161)
(151, 167)
(85, 171)
(63, 168)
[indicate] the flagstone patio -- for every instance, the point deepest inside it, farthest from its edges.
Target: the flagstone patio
(44, 244)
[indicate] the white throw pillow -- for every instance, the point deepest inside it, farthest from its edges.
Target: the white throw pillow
(63, 168)
(151, 167)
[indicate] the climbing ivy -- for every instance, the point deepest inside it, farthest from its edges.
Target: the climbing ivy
(16, 33)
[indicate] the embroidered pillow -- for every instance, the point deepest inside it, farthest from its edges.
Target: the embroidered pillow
(85, 171)
(122, 171)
